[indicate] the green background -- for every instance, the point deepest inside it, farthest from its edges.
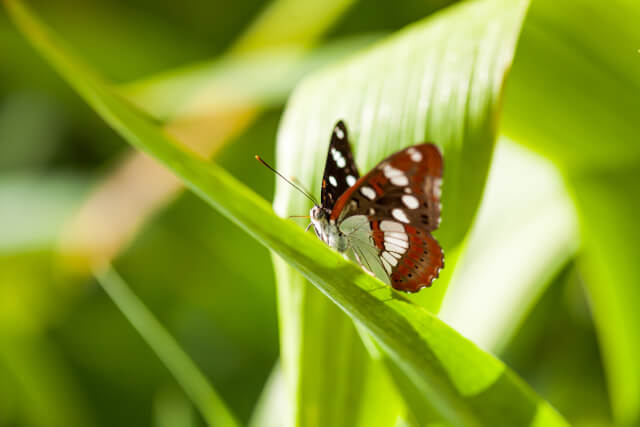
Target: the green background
(541, 260)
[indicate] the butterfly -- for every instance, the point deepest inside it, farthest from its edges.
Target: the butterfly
(383, 220)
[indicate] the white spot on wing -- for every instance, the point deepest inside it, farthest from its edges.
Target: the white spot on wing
(402, 235)
(399, 214)
(387, 225)
(415, 155)
(332, 181)
(390, 259)
(410, 201)
(351, 180)
(389, 171)
(395, 255)
(393, 248)
(338, 158)
(368, 192)
(399, 180)
(339, 132)
(433, 185)
(394, 241)
(386, 265)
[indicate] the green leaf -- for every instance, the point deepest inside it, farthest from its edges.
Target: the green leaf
(264, 78)
(275, 26)
(260, 68)
(574, 95)
(181, 366)
(608, 204)
(573, 90)
(519, 242)
(465, 385)
(273, 402)
(438, 80)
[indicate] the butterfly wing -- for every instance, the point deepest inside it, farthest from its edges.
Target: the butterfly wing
(362, 248)
(340, 171)
(397, 205)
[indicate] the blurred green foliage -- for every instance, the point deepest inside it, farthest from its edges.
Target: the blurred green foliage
(69, 357)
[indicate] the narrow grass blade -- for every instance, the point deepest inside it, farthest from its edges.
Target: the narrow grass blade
(174, 358)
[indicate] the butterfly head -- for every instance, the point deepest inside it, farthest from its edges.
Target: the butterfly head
(319, 220)
(326, 229)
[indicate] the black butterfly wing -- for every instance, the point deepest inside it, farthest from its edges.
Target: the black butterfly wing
(340, 171)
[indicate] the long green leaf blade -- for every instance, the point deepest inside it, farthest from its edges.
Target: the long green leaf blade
(467, 386)
(181, 366)
(275, 26)
(235, 82)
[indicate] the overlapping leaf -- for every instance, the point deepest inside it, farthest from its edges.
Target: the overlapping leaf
(519, 242)
(574, 95)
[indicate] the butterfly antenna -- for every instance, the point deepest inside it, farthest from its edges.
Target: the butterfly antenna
(300, 189)
(299, 184)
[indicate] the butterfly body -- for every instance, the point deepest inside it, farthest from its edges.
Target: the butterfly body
(383, 220)
(327, 230)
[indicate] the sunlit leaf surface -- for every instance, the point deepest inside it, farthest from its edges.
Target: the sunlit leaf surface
(437, 80)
